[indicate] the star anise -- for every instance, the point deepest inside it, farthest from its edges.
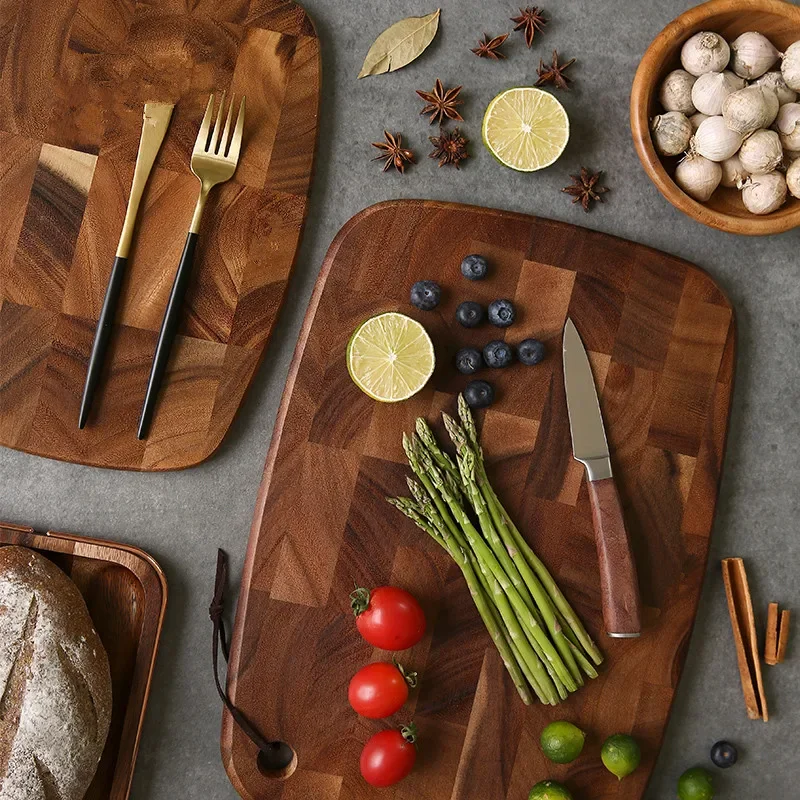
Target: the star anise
(450, 147)
(441, 103)
(586, 188)
(530, 20)
(490, 48)
(394, 154)
(554, 73)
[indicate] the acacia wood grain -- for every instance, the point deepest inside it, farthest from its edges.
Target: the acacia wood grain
(73, 83)
(126, 594)
(661, 341)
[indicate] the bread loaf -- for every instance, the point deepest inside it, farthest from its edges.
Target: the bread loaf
(55, 684)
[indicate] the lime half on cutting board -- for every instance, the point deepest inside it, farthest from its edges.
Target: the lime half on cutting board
(390, 357)
(525, 128)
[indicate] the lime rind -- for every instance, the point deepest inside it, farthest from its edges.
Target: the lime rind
(525, 128)
(390, 357)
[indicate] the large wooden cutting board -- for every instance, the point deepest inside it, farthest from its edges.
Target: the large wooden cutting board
(661, 340)
(74, 77)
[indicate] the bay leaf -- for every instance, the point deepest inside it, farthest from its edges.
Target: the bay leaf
(400, 44)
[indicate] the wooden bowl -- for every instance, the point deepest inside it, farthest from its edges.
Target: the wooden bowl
(780, 23)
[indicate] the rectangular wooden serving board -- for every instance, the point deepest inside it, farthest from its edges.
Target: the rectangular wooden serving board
(74, 78)
(661, 340)
(126, 593)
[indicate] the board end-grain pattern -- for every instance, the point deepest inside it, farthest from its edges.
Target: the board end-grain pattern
(74, 77)
(660, 337)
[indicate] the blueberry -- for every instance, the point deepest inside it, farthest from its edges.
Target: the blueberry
(501, 313)
(478, 394)
(470, 314)
(530, 351)
(724, 754)
(497, 354)
(425, 295)
(468, 360)
(474, 267)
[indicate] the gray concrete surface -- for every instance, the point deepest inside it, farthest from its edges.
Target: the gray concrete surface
(181, 518)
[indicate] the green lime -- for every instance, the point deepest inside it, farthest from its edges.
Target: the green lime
(562, 742)
(390, 357)
(621, 754)
(550, 790)
(696, 784)
(525, 128)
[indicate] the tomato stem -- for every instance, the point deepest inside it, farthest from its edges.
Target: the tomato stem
(359, 600)
(409, 733)
(409, 677)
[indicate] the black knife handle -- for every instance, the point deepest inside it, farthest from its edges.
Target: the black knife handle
(102, 335)
(166, 336)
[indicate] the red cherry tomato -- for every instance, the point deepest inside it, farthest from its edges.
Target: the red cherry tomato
(378, 690)
(388, 617)
(389, 756)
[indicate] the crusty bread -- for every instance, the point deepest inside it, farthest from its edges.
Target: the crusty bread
(55, 685)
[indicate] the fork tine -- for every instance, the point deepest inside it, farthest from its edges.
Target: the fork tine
(236, 140)
(202, 134)
(223, 142)
(212, 145)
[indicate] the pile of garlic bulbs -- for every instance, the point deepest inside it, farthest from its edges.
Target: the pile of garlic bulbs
(733, 112)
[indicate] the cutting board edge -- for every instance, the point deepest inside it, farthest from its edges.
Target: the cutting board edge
(228, 725)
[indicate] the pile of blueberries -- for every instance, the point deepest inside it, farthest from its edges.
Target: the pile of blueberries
(426, 295)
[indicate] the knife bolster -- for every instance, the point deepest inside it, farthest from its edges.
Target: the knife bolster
(597, 469)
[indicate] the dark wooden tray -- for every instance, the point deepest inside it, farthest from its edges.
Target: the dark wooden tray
(74, 77)
(661, 340)
(126, 593)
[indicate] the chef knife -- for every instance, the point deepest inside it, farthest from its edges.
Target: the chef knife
(618, 582)
(154, 125)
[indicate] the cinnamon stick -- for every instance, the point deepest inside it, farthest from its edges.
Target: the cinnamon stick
(771, 638)
(783, 637)
(740, 608)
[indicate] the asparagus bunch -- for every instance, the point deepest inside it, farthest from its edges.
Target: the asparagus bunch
(543, 644)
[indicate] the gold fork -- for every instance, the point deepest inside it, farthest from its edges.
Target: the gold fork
(213, 161)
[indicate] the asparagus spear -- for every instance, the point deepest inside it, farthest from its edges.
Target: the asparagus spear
(479, 598)
(569, 618)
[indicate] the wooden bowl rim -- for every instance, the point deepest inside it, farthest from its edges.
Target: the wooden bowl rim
(778, 222)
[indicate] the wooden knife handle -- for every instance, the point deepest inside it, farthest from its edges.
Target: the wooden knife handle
(618, 582)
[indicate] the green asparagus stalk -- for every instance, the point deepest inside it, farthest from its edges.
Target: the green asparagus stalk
(497, 633)
(569, 619)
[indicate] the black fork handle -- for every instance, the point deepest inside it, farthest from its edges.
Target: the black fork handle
(166, 336)
(102, 335)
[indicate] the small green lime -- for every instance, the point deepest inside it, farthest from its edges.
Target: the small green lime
(562, 742)
(550, 790)
(621, 754)
(696, 784)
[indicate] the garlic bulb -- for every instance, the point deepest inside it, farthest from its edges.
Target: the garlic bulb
(787, 124)
(732, 172)
(705, 52)
(774, 80)
(749, 109)
(790, 66)
(761, 152)
(698, 176)
(671, 133)
(711, 89)
(715, 140)
(764, 194)
(676, 92)
(793, 178)
(753, 55)
(696, 119)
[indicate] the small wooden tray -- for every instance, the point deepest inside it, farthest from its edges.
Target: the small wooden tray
(74, 77)
(126, 593)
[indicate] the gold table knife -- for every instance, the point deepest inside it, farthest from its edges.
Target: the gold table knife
(154, 127)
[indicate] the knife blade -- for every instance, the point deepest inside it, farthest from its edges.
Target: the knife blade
(618, 580)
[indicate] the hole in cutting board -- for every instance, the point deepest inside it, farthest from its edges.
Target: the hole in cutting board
(279, 762)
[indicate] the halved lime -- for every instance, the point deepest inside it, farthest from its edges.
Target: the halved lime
(525, 128)
(390, 357)
(562, 742)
